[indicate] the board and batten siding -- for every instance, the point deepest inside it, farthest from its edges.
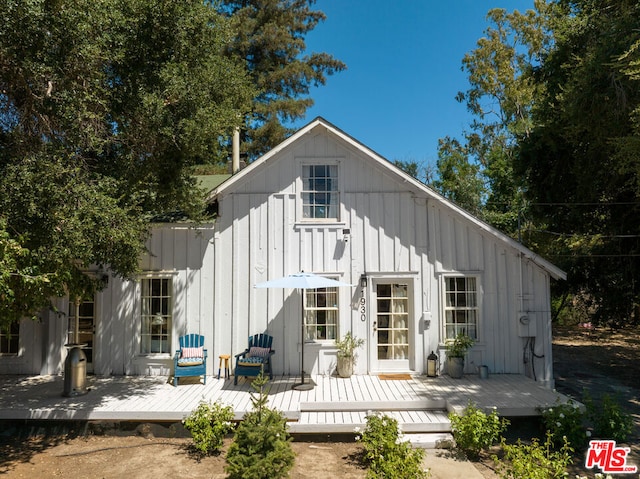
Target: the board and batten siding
(395, 231)
(511, 286)
(29, 359)
(181, 252)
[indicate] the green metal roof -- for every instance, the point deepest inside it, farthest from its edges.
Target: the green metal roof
(210, 182)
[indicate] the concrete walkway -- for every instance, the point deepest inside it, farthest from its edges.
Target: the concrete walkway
(444, 465)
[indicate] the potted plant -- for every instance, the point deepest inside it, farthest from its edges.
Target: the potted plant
(347, 354)
(456, 350)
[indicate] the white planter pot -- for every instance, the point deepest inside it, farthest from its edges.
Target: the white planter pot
(345, 367)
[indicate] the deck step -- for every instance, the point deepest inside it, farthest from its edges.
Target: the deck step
(434, 440)
(341, 422)
(435, 404)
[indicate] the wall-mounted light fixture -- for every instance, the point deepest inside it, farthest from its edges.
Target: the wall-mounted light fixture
(363, 281)
(346, 234)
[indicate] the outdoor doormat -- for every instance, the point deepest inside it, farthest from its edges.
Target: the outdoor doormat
(395, 377)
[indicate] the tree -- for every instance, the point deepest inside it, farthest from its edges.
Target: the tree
(261, 446)
(104, 105)
(502, 91)
(556, 105)
(418, 169)
(458, 179)
(479, 172)
(270, 40)
(581, 159)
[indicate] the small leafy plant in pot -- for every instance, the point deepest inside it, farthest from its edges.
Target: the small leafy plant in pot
(456, 350)
(347, 354)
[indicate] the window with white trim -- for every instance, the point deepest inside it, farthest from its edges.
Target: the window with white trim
(320, 195)
(157, 315)
(461, 306)
(321, 314)
(10, 340)
(82, 325)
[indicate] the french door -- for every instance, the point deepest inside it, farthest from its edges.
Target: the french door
(82, 328)
(391, 326)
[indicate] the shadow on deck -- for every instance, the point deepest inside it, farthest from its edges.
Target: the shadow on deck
(334, 406)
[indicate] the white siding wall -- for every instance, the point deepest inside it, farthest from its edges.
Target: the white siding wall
(184, 253)
(510, 286)
(31, 349)
(394, 230)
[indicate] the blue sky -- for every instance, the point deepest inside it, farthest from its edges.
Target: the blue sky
(404, 61)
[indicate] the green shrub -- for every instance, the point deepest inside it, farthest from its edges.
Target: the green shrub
(261, 447)
(386, 454)
(208, 424)
(474, 430)
(608, 419)
(533, 461)
(566, 422)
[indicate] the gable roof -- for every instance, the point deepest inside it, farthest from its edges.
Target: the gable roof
(411, 182)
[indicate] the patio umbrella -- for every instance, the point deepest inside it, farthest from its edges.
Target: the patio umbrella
(302, 281)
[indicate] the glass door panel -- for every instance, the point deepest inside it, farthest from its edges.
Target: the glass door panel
(392, 326)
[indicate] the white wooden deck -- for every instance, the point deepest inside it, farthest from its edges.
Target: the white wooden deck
(335, 405)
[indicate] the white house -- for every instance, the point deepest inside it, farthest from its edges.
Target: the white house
(422, 269)
(131, 327)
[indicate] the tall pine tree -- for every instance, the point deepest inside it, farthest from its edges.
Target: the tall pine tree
(270, 40)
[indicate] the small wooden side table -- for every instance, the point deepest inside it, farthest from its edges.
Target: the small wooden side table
(227, 371)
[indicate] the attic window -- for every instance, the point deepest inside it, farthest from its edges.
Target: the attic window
(320, 196)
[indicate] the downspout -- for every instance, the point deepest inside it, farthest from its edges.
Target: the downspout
(521, 284)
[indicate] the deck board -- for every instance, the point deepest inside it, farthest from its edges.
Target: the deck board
(333, 405)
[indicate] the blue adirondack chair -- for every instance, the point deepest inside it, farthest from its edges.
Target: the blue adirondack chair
(191, 358)
(256, 358)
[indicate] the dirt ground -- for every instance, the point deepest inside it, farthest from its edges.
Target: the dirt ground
(150, 458)
(599, 361)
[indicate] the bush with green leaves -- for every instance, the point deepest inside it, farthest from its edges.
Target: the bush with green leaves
(208, 424)
(261, 447)
(474, 430)
(566, 422)
(386, 454)
(608, 419)
(534, 461)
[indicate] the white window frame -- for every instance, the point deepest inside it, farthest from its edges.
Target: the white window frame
(14, 333)
(312, 326)
(304, 166)
(461, 308)
(73, 322)
(398, 322)
(156, 323)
